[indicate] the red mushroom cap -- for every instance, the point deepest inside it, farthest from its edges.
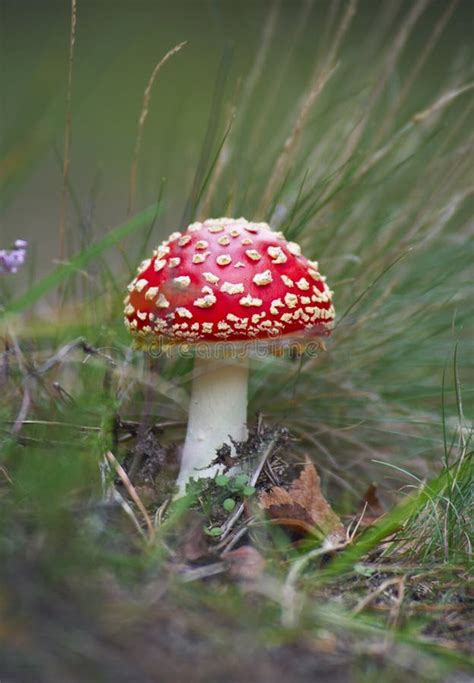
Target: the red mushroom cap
(228, 280)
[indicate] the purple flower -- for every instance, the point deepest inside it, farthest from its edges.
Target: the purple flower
(12, 259)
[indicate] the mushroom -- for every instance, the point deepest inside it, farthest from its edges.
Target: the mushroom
(222, 286)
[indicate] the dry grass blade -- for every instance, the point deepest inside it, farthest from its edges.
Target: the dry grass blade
(280, 82)
(67, 135)
(219, 167)
(5, 475)
(291, 604)
(132, 493)
(421, 61)
(141, 123)
(398, 581)
(292, 140)
(420, 117)
(342, 30)
(388, 68)
(320, 78)
(115, 496)
(443, 101)
(354, 303)
(261, 57)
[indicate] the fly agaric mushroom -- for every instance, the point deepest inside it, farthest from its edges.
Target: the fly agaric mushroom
(229, 281)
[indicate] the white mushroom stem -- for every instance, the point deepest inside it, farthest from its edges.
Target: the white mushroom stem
(218, 409)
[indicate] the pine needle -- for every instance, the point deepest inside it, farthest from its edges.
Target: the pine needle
(132, 492)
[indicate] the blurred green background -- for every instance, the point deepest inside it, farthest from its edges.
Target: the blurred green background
(119, 42)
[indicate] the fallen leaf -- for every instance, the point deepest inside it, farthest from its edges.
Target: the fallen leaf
(370, 508)
(244, 563)
(303, 507)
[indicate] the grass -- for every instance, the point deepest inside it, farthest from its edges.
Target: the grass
(375, 181)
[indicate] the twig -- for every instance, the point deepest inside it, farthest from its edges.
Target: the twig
(202, 572)
(253, 480)
(134, 425)
(132, 493)
(235, 538)
(141, 123)
(69, 348)
(26, 399)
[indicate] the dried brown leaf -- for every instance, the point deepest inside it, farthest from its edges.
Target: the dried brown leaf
(303, 507)
(370, 507)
